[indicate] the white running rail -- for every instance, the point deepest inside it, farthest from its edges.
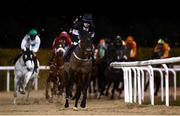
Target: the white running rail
(9, 68)
(138, 68)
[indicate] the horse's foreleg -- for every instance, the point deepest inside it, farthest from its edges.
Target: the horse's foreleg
(94, 85)
(77, 96)
(47, 88)
(107, 89)
(68, 92)
(30, 86)
(26, 80)
(121, 89)
(84, 92)
(115, 86)
(146, 86)
(15, 89)
(158, 82)
(61, 86)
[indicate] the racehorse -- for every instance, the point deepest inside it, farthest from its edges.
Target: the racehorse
(24, 73)
(115, 53)
(80, 67)
(157, 77)
(56, 79)
(101, 64)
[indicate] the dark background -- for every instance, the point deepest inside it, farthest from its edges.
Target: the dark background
(146, 21)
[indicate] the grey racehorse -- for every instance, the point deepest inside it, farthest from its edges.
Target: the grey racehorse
(24, 74)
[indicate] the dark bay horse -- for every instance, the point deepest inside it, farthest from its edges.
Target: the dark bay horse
(157, 77)
(57, 76)
(80, 67)
(101, 64)
(115, 53)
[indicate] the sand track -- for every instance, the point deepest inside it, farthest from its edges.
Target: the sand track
(38, 105)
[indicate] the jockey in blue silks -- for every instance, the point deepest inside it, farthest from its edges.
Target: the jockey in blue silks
(86, 24)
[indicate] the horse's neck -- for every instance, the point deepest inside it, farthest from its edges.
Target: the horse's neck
(59, 61)
(79, 51)
(21, 61)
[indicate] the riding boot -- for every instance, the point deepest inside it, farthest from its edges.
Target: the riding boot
(69, 52)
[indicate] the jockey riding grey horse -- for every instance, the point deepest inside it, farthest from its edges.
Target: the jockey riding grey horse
(24, 73)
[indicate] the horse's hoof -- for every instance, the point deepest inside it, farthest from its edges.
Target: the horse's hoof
(155, 94)
(73, 98)
(66, 105)
(50, 100)
(47, 97)
(83, 105)
(107, 93)
(22, 92)
(75, 108)
(95, 91)
(14, 102)
(98, 96)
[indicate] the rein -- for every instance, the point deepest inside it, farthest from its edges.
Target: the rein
(81, 59)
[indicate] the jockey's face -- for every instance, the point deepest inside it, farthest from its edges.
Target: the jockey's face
(86, 24)
(32, 37)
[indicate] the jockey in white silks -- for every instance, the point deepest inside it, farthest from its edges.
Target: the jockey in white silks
(31, 41)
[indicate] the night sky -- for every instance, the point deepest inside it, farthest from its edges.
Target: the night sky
(145, 22)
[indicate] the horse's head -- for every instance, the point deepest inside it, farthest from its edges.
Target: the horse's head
(86, 42)
(60, 52)
(28, 59)
(116, 53)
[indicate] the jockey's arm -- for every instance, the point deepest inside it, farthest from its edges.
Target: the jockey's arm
(166, 50)
(157, 48)
(134, 50)
(24, 42)
(35, 48)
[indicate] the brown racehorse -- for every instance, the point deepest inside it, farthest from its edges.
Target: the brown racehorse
(80, 67)
(57, 75)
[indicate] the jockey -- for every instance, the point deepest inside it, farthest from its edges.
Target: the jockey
(118, 41)
(131, 44)
(162, 48)
(120, 44)
(63, 39)
(86, 24)
(31, 41)
(102, 46)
